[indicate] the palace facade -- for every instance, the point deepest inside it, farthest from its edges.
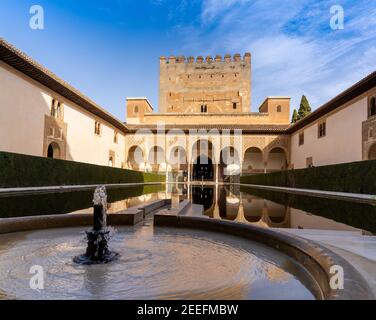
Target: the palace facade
(204, 128)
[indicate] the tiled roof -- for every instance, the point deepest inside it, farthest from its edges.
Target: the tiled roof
(21, 62)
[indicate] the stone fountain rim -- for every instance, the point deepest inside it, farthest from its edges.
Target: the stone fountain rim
(314, 257)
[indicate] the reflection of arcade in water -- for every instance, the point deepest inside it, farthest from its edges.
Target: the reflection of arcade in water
(227, 202)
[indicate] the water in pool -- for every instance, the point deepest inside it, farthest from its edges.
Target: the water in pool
(154, 263)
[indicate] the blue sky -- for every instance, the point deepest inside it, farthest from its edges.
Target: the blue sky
(109, 49)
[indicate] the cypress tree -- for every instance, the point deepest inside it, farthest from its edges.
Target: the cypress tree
(295, 116)
(304, 109)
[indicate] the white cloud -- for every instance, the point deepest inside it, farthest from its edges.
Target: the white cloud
(213, 8)
(294, 51)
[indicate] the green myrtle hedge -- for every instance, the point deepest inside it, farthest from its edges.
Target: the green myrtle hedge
(355, 177)
(18, 170)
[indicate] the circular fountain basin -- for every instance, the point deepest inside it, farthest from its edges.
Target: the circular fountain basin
(154, 263)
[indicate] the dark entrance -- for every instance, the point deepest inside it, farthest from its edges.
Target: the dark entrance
(53, 151)
(50, 152)
(203, 169)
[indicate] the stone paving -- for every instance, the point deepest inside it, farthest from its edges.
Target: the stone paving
(359, 250)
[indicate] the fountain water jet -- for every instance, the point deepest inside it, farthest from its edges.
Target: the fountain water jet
(97, 251)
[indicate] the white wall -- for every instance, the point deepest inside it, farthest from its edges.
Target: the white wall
(342, 143)
(83, 145)
(23, 105)
(22, 110)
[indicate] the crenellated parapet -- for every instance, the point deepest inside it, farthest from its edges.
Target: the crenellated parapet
(209, 59)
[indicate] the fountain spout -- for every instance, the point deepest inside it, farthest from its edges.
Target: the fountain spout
(100, 209)
(97, 251)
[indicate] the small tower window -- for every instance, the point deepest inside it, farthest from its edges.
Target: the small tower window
(234, 105)
(136, 109)
(115, 137)
(279, 109)
(204, 108)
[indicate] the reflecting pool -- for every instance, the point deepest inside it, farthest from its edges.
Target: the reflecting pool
(230, 202)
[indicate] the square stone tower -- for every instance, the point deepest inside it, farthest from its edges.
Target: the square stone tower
(207, 86)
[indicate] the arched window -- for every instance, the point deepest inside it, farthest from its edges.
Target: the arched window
(136, 109)
(53, 109)
(279, 109)
(56, 109)
(97, 129)
(373, 106)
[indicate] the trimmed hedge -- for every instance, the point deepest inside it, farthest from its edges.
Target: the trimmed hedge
(18, 170)
(354, 177)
